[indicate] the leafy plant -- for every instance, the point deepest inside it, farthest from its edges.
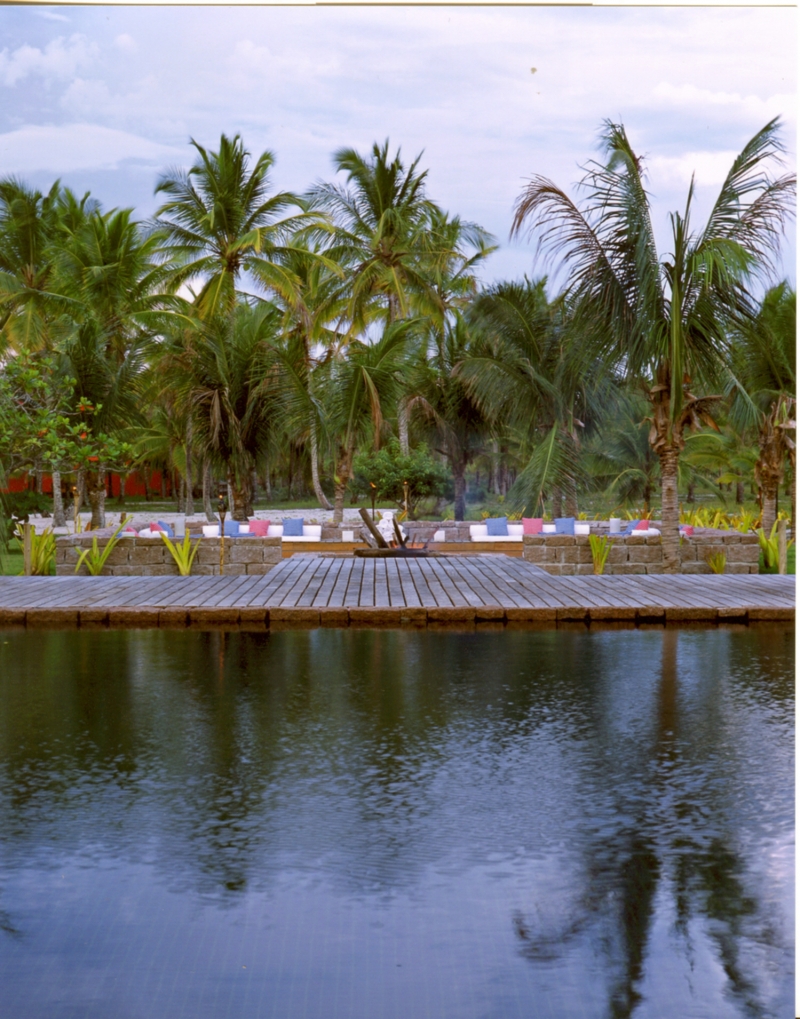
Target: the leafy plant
(389, 468)
(183, 554)
(94, 558)
(769, 546)
(43, 549)
(716, 561)
(600, 546)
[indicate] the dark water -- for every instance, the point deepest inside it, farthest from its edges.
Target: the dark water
(368, 824)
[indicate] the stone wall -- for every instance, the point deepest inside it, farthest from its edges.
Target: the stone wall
(137, 557)
(565, 555)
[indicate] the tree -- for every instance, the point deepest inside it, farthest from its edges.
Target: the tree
(763, 388)
(394, 473)
(220, 222)
(224, 373)
(530, 373)
(664, 320)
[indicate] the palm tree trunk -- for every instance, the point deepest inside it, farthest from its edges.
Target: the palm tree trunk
(460, 485)
(571, 498)
(769, 503)
(557, 498)
(739, 492)
(321, 497)
(59, 519)
(670, 512)
(208, 508)
(239, 496)
(340, 486)
(402, 425)
(96, 491)
(189, 505)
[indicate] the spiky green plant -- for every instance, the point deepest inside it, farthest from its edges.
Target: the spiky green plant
(600, 546)
(183, 554)
(95, 558)
(716, 561)
(43, 550)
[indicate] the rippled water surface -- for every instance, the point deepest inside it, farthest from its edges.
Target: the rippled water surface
(370, 825)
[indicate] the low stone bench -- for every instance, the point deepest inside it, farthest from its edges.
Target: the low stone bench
(568, 555)
(150, 557)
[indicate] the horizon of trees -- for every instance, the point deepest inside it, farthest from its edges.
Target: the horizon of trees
(244, 336)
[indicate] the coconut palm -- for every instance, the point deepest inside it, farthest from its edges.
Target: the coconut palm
(764, 363)
(222, 372)
(221, 222)
(663, 319)
(360, 382)
(529, 374)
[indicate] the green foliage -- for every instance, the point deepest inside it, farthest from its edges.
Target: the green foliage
(183, 554)
(600, 546)
(389, 468)
(95, 558)
(716, 561)
(43, 550)
(769, 547)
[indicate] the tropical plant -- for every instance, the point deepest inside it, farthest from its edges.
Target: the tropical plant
(221, 222)
(763, 387)
(394, 473)
(663, 320)
(600, 546)
(95, 558)
(769, 545)
(183, 554)
(716, 561)
(43, 549)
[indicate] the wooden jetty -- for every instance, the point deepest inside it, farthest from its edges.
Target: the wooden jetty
(318, 590)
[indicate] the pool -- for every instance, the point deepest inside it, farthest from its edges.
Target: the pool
(358, 823)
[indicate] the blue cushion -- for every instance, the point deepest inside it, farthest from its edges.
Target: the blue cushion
(497, 526)
(630, 527)
(170, 533)
(231, 528)
(565, 525)
(293, 527)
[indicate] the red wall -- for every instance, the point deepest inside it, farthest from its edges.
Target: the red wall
(134, 484)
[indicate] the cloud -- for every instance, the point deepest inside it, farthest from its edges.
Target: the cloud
(59, 59)
(709, 168)
(72, 147)
(126, 42)
(697, 99)
(51, 16)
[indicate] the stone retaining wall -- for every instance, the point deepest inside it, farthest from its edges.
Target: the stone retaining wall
(565, 555)
(139, 557)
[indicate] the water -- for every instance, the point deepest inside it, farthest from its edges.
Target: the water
(327, 824)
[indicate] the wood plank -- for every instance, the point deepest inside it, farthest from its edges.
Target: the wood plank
(288, 597)
(309, 596)
(339, 591)
(426, 596)
(366, 597)
(410, 594)
(274, 582)
(325, 589)
(353, 592)
(492, 588)
(382, 583)
(395, 587)
(437, 584)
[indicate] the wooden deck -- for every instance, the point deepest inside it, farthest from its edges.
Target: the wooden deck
(314, 590)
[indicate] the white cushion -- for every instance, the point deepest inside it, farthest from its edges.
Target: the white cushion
(439, 536)
(275, 531)
(548, 528)
(478, 532)
(515, 530)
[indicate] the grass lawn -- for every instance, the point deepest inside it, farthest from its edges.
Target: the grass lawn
(790, 562)
(11, 564)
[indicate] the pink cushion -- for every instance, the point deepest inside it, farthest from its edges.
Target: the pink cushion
(155, 527)
(643, 525)
(688, 531)
(531, 525)
(259, 528)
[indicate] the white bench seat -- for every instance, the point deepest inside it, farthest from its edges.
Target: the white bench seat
(311, 532)
(479, 532)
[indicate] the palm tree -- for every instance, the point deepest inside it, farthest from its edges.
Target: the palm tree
(220, 222)
(765, 356)
(664, 320)
(359, 383)
(223, 372)
(529, 374)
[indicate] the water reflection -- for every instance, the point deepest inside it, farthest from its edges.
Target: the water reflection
(570, 823)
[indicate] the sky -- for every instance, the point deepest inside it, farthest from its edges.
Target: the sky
(108, 97)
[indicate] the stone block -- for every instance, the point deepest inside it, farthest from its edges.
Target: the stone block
(335, 617)
(254, 569)
(294, 615)
(655, 568)
(554, 569)
(367, 616)
(173, 617)
(128, 570)
(644, 554)
(150, 556)
(533, 539)
(742, 553)
(731, 538)
(161, 570)
(560, 539)
(617, 554)
(234, 569)
(140, 617)
(531, 615)
(213, 615)
(572, 613)
(245, 552)
(51, 618)
(12, 617)
(738, 567)
(687, 552)
(452, 614)
(534, 554)
(584, 570)
(698, 567)
(204, 570)
(252, 615)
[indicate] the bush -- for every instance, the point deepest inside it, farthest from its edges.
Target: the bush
(389, 468)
